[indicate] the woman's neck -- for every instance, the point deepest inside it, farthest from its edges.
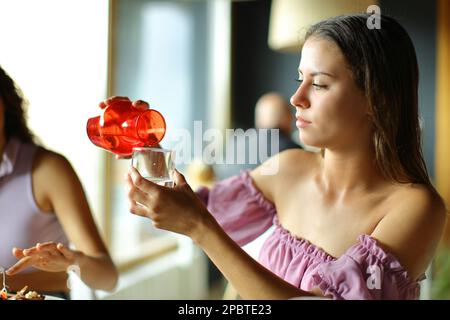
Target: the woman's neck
(349, 171)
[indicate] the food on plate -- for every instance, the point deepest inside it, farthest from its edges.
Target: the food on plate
(20, 295)
(24, 295)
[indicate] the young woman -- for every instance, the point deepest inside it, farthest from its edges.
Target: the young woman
(361, 220)
(42, 208)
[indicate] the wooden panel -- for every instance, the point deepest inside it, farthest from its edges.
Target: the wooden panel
(443, 105)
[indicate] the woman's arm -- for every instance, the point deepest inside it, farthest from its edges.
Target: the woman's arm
(250, 279)
(413, 228)
(179, 210)
(69, 202)
(57, 186)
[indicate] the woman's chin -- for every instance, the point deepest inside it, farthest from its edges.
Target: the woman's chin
(309, 141)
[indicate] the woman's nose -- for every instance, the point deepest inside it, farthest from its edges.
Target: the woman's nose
(299, 98)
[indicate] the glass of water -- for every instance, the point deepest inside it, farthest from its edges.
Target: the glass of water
(155, 164)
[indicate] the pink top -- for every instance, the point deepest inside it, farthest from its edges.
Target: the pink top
(22, 223)
(364, 271)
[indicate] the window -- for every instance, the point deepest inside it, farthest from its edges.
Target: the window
(60, 62)
(67, 56)
(160, 55)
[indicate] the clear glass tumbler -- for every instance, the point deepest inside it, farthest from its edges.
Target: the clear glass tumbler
(155, 164)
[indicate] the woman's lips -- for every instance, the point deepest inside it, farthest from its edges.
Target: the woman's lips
(302, 123)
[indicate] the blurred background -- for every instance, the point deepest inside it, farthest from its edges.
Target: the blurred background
(200, 60)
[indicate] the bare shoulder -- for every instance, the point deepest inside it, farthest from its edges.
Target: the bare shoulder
(423, 210)
(413, 227)
(52, 176)
(298, 159)
(288, 162)
(51, 162)
(52, 170)
(420, 201)
(291, 164)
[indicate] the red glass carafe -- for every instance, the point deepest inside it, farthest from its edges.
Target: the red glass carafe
(123, 126)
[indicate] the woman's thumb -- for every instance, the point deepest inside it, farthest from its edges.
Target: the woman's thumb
(178, 178)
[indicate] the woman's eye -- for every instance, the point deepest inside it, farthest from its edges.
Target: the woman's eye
(315, 85)
(319, 86)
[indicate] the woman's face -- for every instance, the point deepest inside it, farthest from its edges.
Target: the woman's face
(331, 111)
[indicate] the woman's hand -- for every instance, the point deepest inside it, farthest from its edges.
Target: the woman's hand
(138, 104)
(47, 256)
(176, 209)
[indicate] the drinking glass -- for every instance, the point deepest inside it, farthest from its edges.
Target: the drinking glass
(155, 164)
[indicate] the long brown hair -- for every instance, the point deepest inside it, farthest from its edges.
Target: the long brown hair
(14, 113)
(384, 65)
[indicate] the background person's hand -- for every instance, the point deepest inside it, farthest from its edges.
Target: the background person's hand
(176, 209)
(47, 256)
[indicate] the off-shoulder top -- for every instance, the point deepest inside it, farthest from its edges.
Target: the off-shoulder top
(22, 222)
(364, 271)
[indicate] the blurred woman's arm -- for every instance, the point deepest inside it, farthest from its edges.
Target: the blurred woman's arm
(58, 189)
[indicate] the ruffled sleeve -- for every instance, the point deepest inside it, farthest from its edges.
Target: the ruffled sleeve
(239, 207)
(366, 272)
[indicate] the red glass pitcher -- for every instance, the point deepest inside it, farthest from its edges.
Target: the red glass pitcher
(124, 125)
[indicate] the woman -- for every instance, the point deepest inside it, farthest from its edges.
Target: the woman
(42, 208)
(361, 220)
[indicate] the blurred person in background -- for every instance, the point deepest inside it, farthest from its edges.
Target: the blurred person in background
(272, 112)
(43, 208)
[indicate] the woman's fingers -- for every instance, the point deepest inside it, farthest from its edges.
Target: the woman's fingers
(18, 253)
(115, 99)
(143, 184)
(26, 262)
(139, 201)
(139, 209)
(20, 265)
(137, 194)
(66, 252)
(45, 245)
(110, 100)
(47, 256)
(40, 247)
(120, 157)
(178, 178)
(140, 104)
